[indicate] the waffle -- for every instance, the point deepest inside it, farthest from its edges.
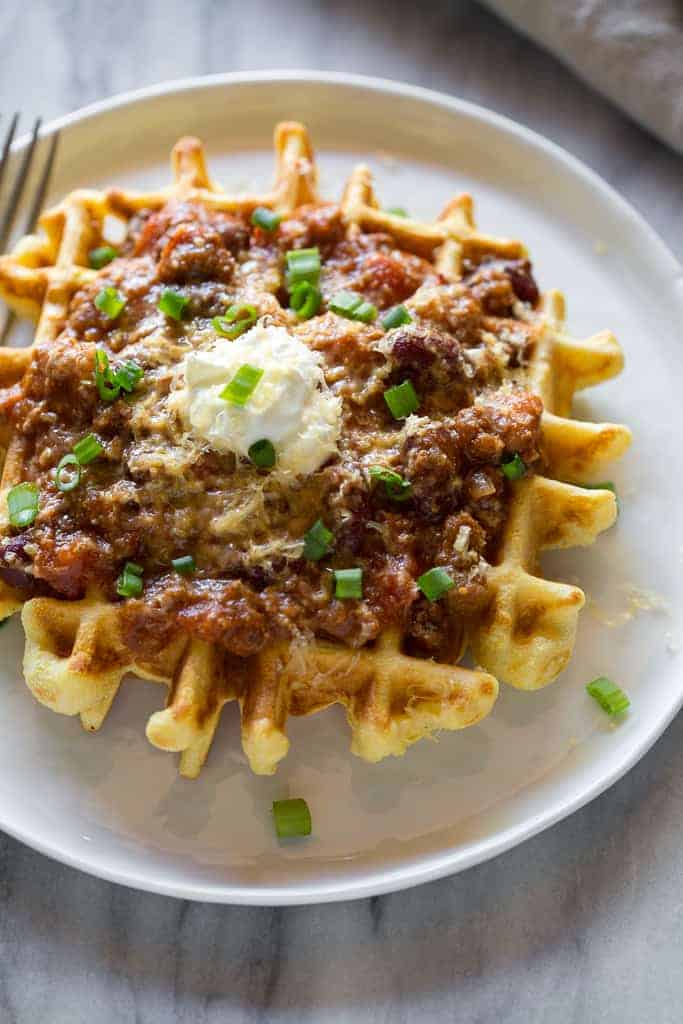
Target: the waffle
(76, 651)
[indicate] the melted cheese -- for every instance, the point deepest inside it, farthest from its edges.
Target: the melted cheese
(291, 405)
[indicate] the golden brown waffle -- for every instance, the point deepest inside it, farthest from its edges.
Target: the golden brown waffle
(76, 653)
(528, 636)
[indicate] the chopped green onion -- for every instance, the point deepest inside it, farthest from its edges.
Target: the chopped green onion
(23, 503)
(609, 696)
(366, 313)
(302, 265)
(514, 468)
(292, 818)
(107, 390)
(304, 299)
(107, 386)
(353, 307)
(128, 375)
(68, 473)
(101, 361)
(84, 451)
(172, 303)
(435, 583)
(110, 302)
(345, 303)
(266, 219)
(262, 454)
(396, 487)
(110, 383)
(317, 541)
(396, 317)
(402, 400)
(184, 565)
(604, 485)
(348, 583)
(87, 449)
(232, 331)
(129, 583)
(99, 257)
(396, 211)
(242, 386)
(237, 320)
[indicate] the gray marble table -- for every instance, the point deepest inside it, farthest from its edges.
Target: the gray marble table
(581, 924)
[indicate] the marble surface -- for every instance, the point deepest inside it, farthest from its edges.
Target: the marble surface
(582, 924)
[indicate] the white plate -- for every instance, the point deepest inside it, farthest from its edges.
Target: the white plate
(112, 805)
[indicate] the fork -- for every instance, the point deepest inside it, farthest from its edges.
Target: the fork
(10, 205)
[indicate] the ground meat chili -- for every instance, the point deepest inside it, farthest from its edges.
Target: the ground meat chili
(155, 493)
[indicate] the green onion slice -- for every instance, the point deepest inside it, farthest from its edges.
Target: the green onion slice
(110, 302)
(102, 255)
(609, 696)
(435, 583)
(110, 383)
(353, 307)
(292, 818)
(108, 391)
(396, 211)
(237, 320)
(304, 299)
(68, 473)
(348, 583)
(172, 303)
(23, 502)
(101, 361)
(604, 485)
(345, 303)
(303, 265)
(317, 541)
(242, 386)
(107, 386)
(129, 583)
(184, 565)
(266, 219)
(396, 317)
(262, 453)
(87, 449)
(402, 400)
(366, 313)
(128, 375)
(514, 468)
(397, 488)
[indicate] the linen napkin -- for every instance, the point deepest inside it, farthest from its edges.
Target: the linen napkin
(629, 50)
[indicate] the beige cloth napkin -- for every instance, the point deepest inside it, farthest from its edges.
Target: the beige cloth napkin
(629, 50)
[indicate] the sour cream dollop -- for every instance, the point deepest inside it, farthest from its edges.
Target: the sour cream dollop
(291, 406)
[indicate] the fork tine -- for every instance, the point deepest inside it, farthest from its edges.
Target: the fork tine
(39, 196)
(6, 147)
(7, 326)
(18, 187)
(34, 210)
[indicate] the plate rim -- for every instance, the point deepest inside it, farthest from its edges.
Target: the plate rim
(426, 867)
